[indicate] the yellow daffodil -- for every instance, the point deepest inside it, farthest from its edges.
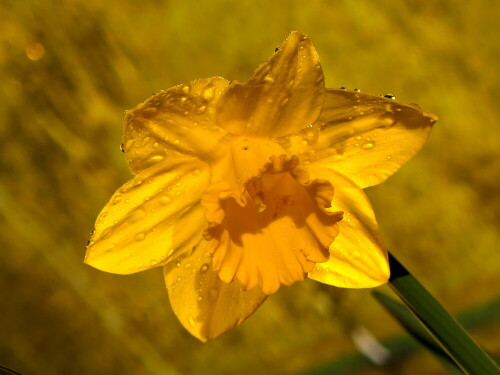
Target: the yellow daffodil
(241, 187)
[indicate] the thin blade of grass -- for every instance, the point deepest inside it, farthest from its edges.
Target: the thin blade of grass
(403, 315)
(445, 330)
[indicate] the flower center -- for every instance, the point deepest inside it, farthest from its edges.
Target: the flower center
(268, 221)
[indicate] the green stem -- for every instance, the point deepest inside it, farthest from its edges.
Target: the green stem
(445, 329)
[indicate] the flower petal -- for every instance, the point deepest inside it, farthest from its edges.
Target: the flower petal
(175, 123)
(150, 218)
(357, 256)
(205, 305)
(283, 96)
(364, 137)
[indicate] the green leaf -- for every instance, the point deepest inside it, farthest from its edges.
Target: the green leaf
(441, 326)
(416, 330)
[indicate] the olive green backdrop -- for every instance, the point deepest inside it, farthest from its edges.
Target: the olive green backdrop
(69, 69)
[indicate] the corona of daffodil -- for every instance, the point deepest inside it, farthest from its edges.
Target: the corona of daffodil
(241, 187)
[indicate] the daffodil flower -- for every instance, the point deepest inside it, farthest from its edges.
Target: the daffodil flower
(241, 187)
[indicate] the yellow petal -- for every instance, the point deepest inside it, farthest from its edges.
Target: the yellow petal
(284, 95)
(150, 218)
(276, 232)
(364, 137)
(357, 256)
(205, 305)
(176, 123)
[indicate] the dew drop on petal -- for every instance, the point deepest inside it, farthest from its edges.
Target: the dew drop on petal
(204, 268)
(164, 200)
(153, 262)
(202, 109)
(208, 94)
(199, 298)
(268, 78)
(185, 89)
(261, 207)
(188, 265)
(389, 157)
(156, 158)
(368, 144)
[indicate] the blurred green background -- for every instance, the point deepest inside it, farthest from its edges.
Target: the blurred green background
(69, 69)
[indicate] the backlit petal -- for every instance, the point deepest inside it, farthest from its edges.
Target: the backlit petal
(205, 305)
(357, 256)
(366, 138)
(284, 95)
(176, 123)
(278, 230)
(150, 218)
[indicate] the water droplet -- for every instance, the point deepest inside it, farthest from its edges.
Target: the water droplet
(140, 236)
(389, 157)
(188, 265)
(170, 252)
(127, 200)
(183, 99)
(118, 198)
(368, 144)
(153, 262)
(357, 90)
(122, 148)
(199, 298)
(185, 89)
(202, 109)
(204, 268)
(191, 321)
(208, 94)
(165, 200)
(179, 278)
(156, 158)
(269, 79)
(343, 88)
(389, 96)
(178, 264)
(261, 207)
